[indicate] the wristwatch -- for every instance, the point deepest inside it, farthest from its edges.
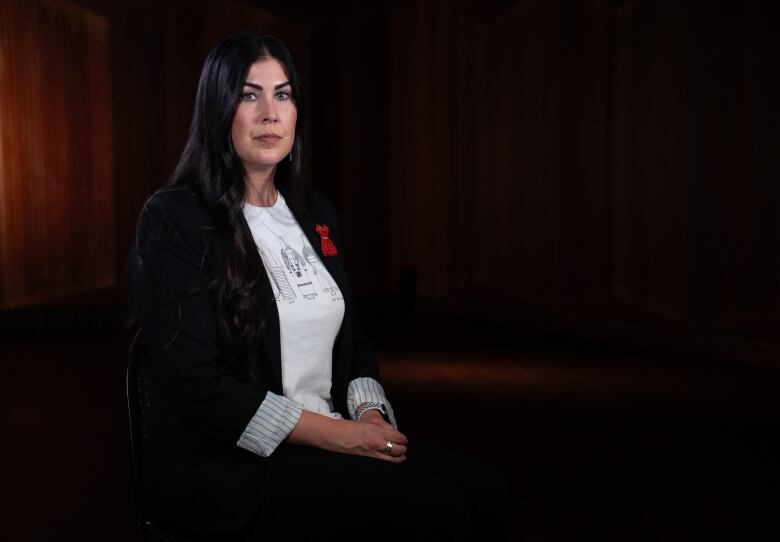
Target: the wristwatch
(370, 405)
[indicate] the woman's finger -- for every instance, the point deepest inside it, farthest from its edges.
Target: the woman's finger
(393, 435)
(393, 449)
(390, 457)
(398, 450)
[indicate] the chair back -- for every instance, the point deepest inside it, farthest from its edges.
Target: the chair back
(138, 407)
(137, 395)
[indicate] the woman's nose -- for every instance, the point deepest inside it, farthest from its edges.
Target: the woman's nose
(267, 110)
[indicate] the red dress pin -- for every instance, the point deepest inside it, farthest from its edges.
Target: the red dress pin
(328, 248)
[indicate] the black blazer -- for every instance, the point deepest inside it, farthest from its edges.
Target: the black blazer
(196, 477)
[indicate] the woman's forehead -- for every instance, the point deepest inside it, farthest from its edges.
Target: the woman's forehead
(266, 72)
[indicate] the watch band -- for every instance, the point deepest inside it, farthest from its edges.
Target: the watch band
(370, 405)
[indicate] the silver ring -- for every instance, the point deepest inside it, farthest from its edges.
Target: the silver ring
(388, 448)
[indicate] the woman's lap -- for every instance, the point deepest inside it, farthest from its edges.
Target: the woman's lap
(437, 494)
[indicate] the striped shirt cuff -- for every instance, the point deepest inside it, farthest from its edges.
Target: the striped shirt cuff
(364, 390)
(273, 421)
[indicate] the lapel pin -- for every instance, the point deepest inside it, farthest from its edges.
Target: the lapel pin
(328, 248)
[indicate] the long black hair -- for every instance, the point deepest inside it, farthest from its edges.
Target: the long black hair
(210, 167)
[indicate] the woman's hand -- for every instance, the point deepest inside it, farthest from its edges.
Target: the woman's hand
(370, 438)
(375, 417)
(367, 437)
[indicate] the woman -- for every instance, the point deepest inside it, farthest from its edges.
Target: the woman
(267, 415)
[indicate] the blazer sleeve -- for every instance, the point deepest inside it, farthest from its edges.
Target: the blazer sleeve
(171, 263)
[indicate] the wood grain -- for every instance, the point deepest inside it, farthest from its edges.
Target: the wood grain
(56, 167)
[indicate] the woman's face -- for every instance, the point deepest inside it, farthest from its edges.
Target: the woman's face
(263, 129)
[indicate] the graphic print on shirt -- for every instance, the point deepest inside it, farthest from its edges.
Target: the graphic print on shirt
(326, 285)
(279, 283)
(294, 274)
(297, 268)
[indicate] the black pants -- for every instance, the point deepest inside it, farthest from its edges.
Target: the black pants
(436, 494)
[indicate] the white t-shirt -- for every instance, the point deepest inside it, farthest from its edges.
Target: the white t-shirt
(310, 304)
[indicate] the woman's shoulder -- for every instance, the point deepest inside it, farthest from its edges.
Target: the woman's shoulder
(174, 213)
(179, 204)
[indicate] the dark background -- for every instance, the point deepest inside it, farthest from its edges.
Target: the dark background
(564, 212)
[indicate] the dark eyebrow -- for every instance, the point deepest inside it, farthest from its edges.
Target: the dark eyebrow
(258, 87)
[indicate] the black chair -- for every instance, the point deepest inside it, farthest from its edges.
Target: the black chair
(137, 392)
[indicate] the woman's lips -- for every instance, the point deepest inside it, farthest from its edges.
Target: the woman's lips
(269, 138)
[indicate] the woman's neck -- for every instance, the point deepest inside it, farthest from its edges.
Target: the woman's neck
(260, 189)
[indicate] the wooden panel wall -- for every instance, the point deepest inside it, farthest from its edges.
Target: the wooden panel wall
(542, 184)
(102, 116)
(499, 143)
(586, 159)
(427, 130)
(696, 197)
(595, 158)
(56, 157)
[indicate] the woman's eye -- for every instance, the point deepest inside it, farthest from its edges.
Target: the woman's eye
(282, 96)
(248, 97)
